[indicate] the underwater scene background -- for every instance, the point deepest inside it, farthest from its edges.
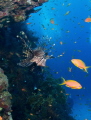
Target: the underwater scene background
(36, 53)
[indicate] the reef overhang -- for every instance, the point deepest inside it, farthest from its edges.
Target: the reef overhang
(17, 10)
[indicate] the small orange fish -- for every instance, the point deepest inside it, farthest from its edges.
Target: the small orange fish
(67, 94)
(53, 8)
(24, 90)
(88, 19)
(61, 42)
(71, 84)
(52, 20)
(80, 64)
(28, 23)
(0, 118)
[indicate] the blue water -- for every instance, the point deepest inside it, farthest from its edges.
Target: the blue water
(75, 35)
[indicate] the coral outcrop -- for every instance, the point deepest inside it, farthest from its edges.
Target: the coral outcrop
(5, 98)
(17, 10)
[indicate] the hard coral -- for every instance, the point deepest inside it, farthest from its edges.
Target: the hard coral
(17, 10)
(5, 97)
(5, 100)
(3, 82)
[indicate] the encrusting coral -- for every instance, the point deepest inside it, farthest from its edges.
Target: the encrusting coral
(17, 10)
(5, 98)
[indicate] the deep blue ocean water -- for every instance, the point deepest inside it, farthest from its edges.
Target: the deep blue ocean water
(75, 34)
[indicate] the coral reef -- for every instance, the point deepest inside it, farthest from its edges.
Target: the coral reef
(40, 99)
(35, 93)
(17, 10)
(5, 97)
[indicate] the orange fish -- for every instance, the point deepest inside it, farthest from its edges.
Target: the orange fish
(61, 42)
(71, 84)
(24, 90)
(80, 64)
(28, 23)
(0, 118)
(88, 19)
(52, 20)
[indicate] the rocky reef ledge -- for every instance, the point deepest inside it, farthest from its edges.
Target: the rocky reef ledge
(17, 10)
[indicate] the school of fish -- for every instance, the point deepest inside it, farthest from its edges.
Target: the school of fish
(76, 62)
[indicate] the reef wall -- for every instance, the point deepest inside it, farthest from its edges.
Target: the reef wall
(35, 93)
(17, 10)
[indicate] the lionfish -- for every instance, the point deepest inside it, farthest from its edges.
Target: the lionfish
(37, 56)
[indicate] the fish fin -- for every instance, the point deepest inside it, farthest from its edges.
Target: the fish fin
(25, 63)
(73, 87)
(85, 69)
(88, 66)
(67, 86)
(63, 81)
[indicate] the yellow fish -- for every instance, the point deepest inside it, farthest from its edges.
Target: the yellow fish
(71, 84)
(80, 64)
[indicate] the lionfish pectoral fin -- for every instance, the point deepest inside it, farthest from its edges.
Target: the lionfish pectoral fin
(25, 63)
(42, 62)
